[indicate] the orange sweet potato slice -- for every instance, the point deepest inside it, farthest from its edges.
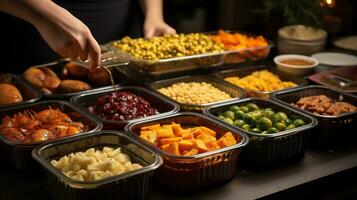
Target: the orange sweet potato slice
(165, 141)
(185, 145)
(200, 145)
(208, 131)
(151, 127)
(174, 148)
(226, 140)
(206, 138)
(191, 152)
(165, 132)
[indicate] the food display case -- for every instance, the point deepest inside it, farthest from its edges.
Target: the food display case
(270, 148)
(128, 185)
(330, 128)
(19, 154)
(242, 72)
(29, 94)
(197, 171)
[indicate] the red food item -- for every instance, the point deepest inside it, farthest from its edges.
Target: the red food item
(29, 126)
(122, 105)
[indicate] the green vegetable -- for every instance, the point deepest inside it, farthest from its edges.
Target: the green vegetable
(291, 126)
(244, 109)
(273, 130)
(238, 114)
(234, 108)
(249, 119)
(228, 120)
(264, 132)
(280, 126)
(268, 113)
(264, 123)
(276, 118)
(287, 121)
(298, 122)
(283, 116)
(255, 130)
(229, 114)
(238, 122)
(246, 127)
(221, 117)
(252, 107)
(257, 113)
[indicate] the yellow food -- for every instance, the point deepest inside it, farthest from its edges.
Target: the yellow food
(168, 46)
(180, 141)
(94, 164)
(194, 93)
(262, 81)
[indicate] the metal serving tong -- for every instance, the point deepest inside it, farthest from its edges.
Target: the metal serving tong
(342, 81)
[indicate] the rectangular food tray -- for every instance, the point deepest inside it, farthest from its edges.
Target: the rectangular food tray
(234, 92)
(332, 131)
(18, 154)
(163, 105)
(184, 63)
(130, 185)
(242, 72)
(57, 67)
(270, 149)
(28, 93)
(198, 171)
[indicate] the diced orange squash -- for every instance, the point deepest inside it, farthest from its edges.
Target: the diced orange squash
(150, 136)
(165, 132)
(169, 140)
(226, 140)
(208, 131)
(166, 147)
(185, 145)
(200, 145)
(174, 148)
(206, 138)
(151, 127)
(187, 136)
(196, 131)
(192, 152)
(176, 128)
(213, 146)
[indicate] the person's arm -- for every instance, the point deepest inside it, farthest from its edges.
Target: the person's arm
(154, 24)
(63, 32)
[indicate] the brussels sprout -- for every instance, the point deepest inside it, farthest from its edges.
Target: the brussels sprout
(257, 113)
(269, 109)
(246, 127)
(276, 118)
(273, 130)
(228, 120)
(249, 118)
(238, 114)
(283, 116)
(252, 107)
(244, 109)
(268, 113)
(264, 132)
(287, 121)
(229, 114)
(255, 130)
(221, 117)
(234, 108)
(298, 122)
(238, 122)
(280, 126)
(264, 123)
(291, 126)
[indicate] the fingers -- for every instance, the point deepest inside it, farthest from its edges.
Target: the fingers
(149, 32)
(94, 52)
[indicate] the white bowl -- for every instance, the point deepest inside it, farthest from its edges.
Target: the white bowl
(300, 70)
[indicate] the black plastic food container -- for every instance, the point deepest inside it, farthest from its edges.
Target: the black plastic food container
(269, 149)
(19, 154)
(332, 131)
(57, 67)
(164, 106)
(234, 92)
(28, 93)
(130, 185)
(242, 72)
(198, 171)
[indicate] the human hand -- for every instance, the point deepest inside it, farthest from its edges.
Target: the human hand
(155, 27)
(68, 36)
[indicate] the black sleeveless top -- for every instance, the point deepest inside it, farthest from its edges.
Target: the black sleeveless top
(22, 46)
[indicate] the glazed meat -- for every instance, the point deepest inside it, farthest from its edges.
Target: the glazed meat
(323, 105)
(9, 94)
